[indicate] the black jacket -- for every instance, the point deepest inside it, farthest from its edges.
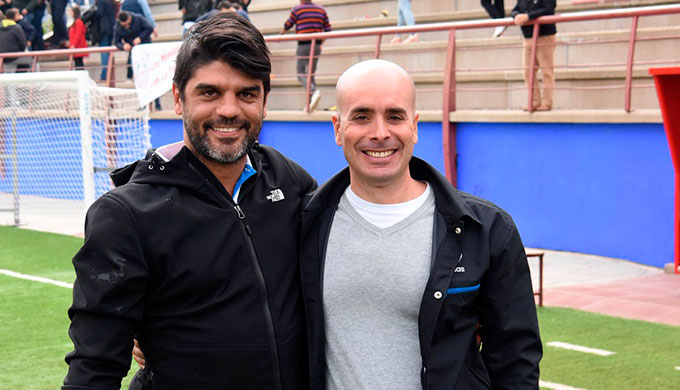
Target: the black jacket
(139, 28)
(12, 39)
(470, 234)
(102, 22)
(211, 290)
(194, 9)
(536, 8)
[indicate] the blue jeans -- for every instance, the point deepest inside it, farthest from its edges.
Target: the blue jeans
(104, 41)
(38, 14)
(405, 15)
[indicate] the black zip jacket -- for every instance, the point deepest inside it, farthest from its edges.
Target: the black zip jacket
(479, 274)
(210, 289)
(534, 9)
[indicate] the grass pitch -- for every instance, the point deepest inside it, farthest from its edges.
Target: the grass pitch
(34, 325)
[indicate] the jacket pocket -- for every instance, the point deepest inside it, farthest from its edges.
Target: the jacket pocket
(473, 377)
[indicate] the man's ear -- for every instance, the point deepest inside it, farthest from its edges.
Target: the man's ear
(336, 129)
(264, 105)
(415, 127)
(177, 100)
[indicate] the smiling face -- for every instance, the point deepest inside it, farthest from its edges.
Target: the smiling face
(222, 110)
(376, 125)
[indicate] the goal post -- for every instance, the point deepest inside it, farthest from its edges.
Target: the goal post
(60, 137)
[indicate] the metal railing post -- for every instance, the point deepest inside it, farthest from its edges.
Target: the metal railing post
(377, 46)
(308, 87)
(629, 65)
(532, 66)
(448, 106)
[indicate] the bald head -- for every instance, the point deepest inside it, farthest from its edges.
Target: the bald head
(380, 72)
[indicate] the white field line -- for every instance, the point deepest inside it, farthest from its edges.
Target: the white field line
(579, 348)
(677, 368)
(557, 386)
(35, 278)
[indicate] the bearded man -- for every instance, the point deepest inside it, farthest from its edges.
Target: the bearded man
(195, 253)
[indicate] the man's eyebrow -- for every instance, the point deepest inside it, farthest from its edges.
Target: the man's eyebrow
(253, 88)
(206, 86)
(397, 110)
(361, 110)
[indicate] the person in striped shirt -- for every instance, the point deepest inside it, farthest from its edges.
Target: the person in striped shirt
(308, 18)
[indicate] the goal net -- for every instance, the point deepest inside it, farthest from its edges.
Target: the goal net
(60, 137)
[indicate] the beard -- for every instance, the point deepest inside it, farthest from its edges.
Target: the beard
(225, 152)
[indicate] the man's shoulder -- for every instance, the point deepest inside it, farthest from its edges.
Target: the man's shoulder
(484, 210)
(271, 158)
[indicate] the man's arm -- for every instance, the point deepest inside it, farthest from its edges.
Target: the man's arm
(118, 37)
(107, 298)
(511, 344)
(292, 19)
(147, 29)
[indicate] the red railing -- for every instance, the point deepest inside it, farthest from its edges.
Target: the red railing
(450, 69)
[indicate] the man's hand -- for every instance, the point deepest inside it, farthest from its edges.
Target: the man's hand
(138, 355)
(155, 33)
(127, 46)
(520, 19)
(24, 12)
(137, 41)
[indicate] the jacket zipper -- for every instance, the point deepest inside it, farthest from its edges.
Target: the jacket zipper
(271, 335)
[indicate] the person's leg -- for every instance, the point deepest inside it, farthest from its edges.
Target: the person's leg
(104, 41)
(545, 54)
(500, 8)
(405, 8)
(491, 9)
(38, 14)
(58, 8)
(129, 66)
(302, 54)
(79, 63)
(317, 55)
(526, 61)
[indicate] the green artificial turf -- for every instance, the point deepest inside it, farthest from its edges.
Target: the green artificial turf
(34, 325)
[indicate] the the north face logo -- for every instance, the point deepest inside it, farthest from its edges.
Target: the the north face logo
(276, 195)
(459, 269)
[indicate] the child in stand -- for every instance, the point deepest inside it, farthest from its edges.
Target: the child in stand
(76, 37)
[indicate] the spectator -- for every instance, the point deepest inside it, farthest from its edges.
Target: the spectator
(243, 7)
(101, 28)
(29, 30)
(496, 10)
(405, 18)
(308, 18)
(140, 7)
(76, 37)
(36, 20)
(192, 10)
(524, 11)
(13, 39)
(131, 30)
(223, 6)
(5, 5)
(238, 7)
(58, 11)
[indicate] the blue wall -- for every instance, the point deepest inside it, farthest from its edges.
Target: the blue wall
(604, 189)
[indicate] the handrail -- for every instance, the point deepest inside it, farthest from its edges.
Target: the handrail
(449, 93)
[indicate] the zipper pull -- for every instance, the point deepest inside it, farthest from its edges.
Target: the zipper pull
(239, 212)
(242, 217)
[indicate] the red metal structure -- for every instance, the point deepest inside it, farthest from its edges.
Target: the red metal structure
(667, 82)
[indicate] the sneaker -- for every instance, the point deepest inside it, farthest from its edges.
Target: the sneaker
(499, 31)
(396, 39)
(314, 101)
(412, 38)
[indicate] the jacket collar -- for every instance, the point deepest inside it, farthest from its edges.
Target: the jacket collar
(448, 201)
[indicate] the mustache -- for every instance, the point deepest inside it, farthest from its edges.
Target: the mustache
(227, 122)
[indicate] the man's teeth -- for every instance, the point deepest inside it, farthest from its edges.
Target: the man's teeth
(226, 129)
(386, 153)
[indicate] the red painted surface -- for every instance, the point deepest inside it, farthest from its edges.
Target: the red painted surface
(667, 82)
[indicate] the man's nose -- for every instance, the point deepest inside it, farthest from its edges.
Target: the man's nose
(380, 130)
(228, 106)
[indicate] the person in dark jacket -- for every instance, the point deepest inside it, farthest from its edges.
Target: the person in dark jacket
(525, 11)
(192, 10)
(131, 30)
(140, 7)
(195, 252)
(58, 12)
(13, 39)
(26, 26)
(102, 30)
(400, 271)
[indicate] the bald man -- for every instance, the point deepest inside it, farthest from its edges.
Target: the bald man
(401, 272)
